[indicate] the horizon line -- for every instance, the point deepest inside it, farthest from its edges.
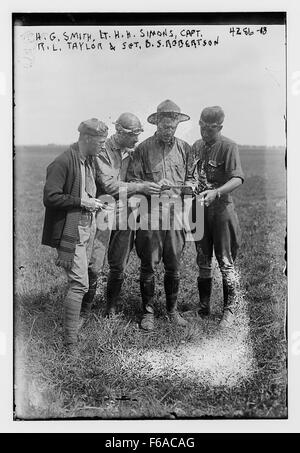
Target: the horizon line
(68, 144)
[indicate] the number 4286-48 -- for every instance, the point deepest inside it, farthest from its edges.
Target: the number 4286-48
(247, 31)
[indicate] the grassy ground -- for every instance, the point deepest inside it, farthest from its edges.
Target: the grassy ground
(174, 373)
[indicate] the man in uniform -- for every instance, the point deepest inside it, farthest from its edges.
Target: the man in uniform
(163, 159)
(218, 170)
(69, 224)
(112, 165)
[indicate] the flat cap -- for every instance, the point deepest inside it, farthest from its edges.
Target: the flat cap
(213, 114)
(93, 127)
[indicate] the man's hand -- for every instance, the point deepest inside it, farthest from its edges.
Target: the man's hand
(150, 188)
(165, 182)
(187, 190)
(91, 204)
(209, 196)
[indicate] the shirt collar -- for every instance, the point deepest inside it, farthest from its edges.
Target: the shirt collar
(82, 158)
(210, 145)
(113, 143)
(75, 146)
(124, 152)
(161, 143)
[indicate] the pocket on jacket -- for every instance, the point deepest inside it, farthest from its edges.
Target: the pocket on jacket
(215, 169)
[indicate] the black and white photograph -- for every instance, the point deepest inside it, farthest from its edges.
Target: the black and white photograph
(150, 269)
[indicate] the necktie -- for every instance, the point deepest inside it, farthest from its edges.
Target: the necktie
(90, 185)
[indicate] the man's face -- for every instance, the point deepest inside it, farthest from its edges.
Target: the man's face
(166, 128)
(129, 139)
(95, 144)
(209, 131)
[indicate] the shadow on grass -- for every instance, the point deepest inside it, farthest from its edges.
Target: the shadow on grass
(122, 373)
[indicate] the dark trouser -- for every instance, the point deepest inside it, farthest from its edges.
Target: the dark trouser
(221, 234)
(152, 246)
(120, 246)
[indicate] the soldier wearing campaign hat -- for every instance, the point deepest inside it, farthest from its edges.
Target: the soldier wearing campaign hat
(165, 160)
(69, 224)
(218, 171)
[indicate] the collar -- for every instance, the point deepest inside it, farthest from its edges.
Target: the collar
(82, 158)
(210, 145)
(124, 152)
(113, 143)
(161, 143)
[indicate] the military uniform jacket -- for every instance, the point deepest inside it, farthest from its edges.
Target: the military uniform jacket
(216, 164)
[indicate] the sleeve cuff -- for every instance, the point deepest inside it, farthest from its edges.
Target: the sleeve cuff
(238, 176)
(234, 174)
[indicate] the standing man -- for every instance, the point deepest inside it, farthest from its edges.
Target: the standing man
(163, 159)
(218, 170)
(112, 164)
(69, 224)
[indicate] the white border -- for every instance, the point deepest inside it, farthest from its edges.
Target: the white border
(6, 423)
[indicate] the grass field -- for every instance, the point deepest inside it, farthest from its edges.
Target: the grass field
(174, 373)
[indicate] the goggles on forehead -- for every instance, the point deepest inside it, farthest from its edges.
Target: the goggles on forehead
(209, 125)
(135, 131)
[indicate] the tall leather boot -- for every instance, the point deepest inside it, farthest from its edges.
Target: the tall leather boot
(229, 296)
(204, 288)
(171, 289)
(88, 298)
(113, 290)
(147, 292)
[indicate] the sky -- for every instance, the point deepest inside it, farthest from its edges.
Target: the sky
(57, 89)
